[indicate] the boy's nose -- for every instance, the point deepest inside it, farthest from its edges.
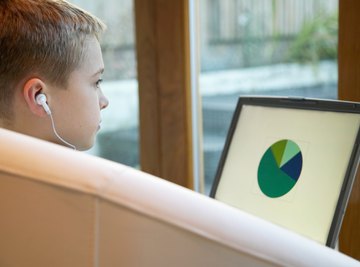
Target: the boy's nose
(104, 102)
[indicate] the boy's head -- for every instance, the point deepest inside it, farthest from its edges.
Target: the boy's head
(50, 47)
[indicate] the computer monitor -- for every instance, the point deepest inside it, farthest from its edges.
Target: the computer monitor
(291, 161)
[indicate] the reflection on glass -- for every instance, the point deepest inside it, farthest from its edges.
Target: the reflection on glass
(118, 137)
(262, 47)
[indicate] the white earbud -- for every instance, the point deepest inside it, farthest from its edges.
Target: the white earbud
(41, 100)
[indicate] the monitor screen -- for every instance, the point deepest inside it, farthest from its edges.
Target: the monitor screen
(288, 166)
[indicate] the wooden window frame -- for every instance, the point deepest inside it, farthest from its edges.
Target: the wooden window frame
(349, 89)
(164, 89)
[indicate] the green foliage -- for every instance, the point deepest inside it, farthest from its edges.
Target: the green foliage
(316, 41)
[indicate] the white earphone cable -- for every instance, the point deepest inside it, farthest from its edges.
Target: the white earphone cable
(57, 135)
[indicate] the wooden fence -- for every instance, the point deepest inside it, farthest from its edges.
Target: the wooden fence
(242, 33)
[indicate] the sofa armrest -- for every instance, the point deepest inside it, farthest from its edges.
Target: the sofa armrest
(60, 207)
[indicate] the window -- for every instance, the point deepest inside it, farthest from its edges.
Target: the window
(262, 47)
(118, 137)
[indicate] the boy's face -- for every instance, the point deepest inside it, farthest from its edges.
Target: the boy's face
(76, 110)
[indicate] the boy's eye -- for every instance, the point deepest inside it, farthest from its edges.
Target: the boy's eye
(99, 82)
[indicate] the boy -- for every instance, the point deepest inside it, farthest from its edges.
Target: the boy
(50, 71)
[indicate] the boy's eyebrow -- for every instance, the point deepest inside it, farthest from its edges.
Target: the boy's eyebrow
(100, 71)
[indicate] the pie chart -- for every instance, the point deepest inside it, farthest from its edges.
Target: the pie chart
(280, 168)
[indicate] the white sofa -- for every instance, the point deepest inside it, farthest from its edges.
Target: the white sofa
(60, 207)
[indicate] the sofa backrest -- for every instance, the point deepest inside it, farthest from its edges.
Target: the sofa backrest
(60, 207)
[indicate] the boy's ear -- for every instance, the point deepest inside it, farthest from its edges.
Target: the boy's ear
(31, 89)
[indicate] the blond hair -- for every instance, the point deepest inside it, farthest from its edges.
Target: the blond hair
(41, 37)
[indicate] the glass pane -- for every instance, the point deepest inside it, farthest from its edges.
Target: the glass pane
(118, 138)
(262, 47)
